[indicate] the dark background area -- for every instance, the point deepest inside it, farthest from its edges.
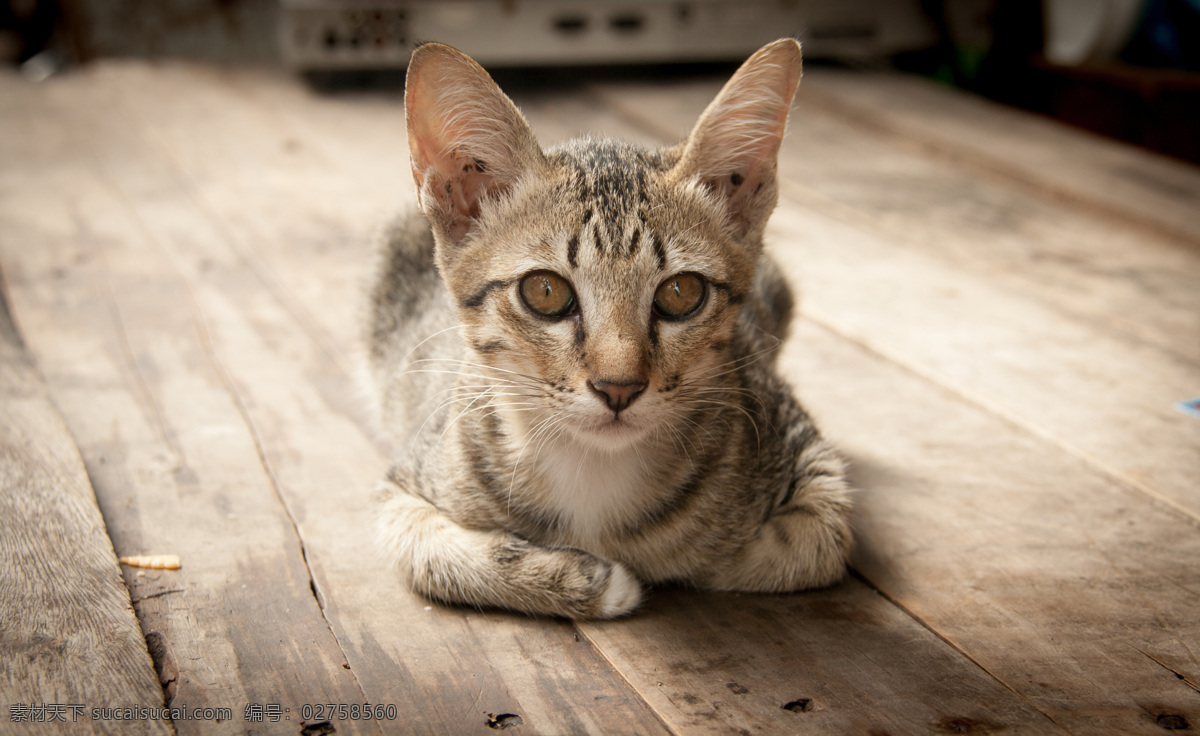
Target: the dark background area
(1139, 83)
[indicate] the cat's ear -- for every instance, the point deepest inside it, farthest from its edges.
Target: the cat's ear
(734, 147)
(466, 139)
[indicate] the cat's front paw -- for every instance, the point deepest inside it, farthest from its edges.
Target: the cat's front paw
(624, 593)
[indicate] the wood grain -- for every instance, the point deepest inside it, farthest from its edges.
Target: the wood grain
(1110, 180)
(1025, 557)
(852, 699)
(1037, 560)
(943, 304)
(1118, 277)
(175, 466)
(1070, 588)
(445, 670)
(69, 638)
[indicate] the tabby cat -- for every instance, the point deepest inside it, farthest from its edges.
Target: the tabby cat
(574, 349)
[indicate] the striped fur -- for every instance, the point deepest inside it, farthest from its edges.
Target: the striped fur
(521, 482)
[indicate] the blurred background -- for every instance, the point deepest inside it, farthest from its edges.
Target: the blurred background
(1128, 69)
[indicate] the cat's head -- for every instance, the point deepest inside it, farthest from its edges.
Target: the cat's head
(598, 281)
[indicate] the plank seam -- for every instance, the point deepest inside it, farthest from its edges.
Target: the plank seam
(996, 169)
(950, 643)
(1179, 675)
(230, 385)
(206, 340)
(1097, 465)
(1115, 474)
(142, 390)
(10, 330)
(580, 627)
(802, 196)
(805, 197)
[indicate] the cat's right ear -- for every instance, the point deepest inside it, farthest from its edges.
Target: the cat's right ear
(466, 138)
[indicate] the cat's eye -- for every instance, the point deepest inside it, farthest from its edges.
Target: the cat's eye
(547, 294)
(680, 296)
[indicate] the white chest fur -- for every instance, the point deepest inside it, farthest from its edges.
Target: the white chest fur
(592, 491)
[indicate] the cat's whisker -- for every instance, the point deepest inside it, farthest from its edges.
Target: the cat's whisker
(470, 375)
(457, 392)
(458, 365)
(445, 403)
(641, 459)
(470, 400)
(495, 410)
(697, 425)
(708, 391)
(742, 409)
(678, 436)
(490, 404)
(417, 347)
(730, 366)
(760, 329)
(700, 426)
(587, 453)
(461, 414)
(551, 432)
(484, 366)
(534, 433)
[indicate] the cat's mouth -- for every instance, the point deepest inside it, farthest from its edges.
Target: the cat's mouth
(614, 430)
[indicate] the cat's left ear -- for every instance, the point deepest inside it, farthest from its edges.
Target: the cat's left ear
(733, 149)
(466, 138)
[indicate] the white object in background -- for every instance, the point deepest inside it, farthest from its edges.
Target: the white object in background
(1078, 31)
(357, 34)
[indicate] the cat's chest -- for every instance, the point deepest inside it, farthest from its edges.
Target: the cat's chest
(593, 495)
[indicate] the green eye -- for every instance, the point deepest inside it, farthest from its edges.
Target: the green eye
(547, 294)
(679, 296)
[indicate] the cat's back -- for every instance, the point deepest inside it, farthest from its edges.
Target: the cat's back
(408, 326)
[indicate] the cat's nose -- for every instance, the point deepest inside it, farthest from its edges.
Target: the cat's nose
(617, 395)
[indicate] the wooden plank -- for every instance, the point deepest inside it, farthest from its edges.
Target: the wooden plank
(174, 464)
(1109, 179)
(917, 671)
(55, 552)
(843, 660)
(1068, 584)
(1070, 588)
(952, 313)
(1119, 278)
(683, 611)
(1103, 399)
(445, 670)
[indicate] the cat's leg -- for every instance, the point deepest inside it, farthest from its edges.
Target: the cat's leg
(806, 538)
(493, 568)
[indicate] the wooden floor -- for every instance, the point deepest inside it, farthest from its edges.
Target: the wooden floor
(1000, 318)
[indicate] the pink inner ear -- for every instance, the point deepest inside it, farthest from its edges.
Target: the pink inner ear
(437, 136)
(470, 185)
(430, 134)
(466, 138)
(744, 131)
(734, 146)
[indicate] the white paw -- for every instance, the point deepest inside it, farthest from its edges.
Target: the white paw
(623, 595)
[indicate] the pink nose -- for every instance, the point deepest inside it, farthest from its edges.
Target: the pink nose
(617, 396)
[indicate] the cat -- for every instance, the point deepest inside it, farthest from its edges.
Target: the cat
(573, 349)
